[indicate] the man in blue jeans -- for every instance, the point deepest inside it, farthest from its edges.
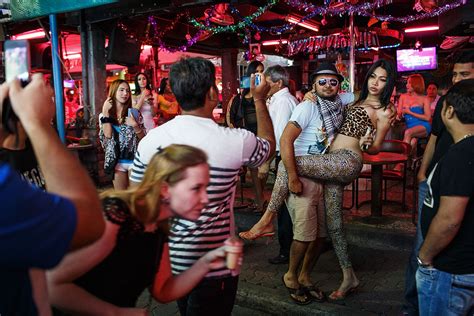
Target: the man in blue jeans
(445, 275)
(439, 142)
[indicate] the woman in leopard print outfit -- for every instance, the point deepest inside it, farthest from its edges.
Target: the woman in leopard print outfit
(340, 166)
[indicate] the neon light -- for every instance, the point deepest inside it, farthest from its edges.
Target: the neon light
(73, 56)
(307, 25)
(274, 42)
(39, 33)
(422, 29)
(147, 47)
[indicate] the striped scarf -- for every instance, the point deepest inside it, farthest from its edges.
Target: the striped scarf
(332, 113)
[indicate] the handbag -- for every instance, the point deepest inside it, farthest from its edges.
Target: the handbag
(112, 151)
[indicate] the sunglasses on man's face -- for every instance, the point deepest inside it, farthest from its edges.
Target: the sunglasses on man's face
(332, 82)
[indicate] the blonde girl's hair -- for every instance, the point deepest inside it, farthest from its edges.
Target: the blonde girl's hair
(114, 86)
(418, 83)
(166, 166)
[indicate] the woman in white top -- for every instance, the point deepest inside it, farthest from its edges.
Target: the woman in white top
(145, 100)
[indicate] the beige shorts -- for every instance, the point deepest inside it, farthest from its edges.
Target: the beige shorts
(307, 211)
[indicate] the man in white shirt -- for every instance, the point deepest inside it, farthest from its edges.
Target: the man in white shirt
(281, 104)
(192, 81)
(305, 134)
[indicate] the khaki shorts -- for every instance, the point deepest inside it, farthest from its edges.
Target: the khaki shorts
(307, 211)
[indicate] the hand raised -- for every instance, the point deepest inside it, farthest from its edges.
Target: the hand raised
(260, 91)
(107, 106)
(32, 104)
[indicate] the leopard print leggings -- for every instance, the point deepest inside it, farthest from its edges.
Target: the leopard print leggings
(336, 169)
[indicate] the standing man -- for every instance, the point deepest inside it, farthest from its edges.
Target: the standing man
(280, 106)
(445, 275)
(438, 144)
(432, 94)
(193, 83)
(305, 134)
(38, 228)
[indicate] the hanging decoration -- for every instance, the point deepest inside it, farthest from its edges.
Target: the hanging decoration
(367, 9)
(234, 27)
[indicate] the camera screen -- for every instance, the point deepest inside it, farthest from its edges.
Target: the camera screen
(16, 63)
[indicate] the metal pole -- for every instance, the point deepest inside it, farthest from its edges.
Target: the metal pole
(57, 77)
(85, 63)
(351, 54)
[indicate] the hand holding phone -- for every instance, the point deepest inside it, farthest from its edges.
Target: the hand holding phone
(17, 65)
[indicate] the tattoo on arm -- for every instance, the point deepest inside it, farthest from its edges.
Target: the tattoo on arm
(295, 124)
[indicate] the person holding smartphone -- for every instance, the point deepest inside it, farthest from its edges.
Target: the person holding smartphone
(241, 113)
(120, 132)
(145, 100)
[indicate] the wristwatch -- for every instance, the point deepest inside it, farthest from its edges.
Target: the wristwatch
(422, 264)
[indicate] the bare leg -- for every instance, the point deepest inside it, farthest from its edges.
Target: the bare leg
(418, 131)
(120, 180)
(257, 189)
(309, 261)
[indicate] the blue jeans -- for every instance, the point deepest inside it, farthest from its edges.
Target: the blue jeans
(411, 297)
(444, 294)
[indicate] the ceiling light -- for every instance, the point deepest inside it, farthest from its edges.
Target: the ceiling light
(274, 42)
(422, 29)
(39, 33)
(297, 21)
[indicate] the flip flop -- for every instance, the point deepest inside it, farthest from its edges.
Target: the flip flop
(298, 296)
(314, 293)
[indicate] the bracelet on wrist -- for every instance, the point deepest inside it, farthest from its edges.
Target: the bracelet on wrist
(106, 119)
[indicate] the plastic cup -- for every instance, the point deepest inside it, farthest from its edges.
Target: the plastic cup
(233, 249)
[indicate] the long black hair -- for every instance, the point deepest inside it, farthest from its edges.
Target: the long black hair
(389, 85)
(251, 69)
(138, 90)
(163, 83)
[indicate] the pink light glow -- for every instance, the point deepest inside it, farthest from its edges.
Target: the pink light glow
(307, 25)
(39, 33)
(274, 42)
(422, 29)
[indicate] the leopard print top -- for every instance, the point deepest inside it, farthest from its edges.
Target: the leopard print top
(356, 122)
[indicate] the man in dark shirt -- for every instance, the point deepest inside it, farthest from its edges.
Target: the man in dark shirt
(445, 275)
(38, 228)
(439, 142)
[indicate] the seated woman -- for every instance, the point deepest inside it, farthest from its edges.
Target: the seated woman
(107, 277)
(343, 163)
(415, 107)
(168, 107)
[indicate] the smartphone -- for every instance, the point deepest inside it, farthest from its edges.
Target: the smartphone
(133, 112)
(17, 60)
(245, 81)
(17, 65)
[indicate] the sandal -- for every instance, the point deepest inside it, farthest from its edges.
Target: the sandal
(298, 296)
(341, 295)
(314, 293)
(249, 235)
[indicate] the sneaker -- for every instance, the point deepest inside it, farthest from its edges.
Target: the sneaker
(280, 259)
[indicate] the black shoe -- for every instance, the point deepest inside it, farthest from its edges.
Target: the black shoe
(280, 259)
